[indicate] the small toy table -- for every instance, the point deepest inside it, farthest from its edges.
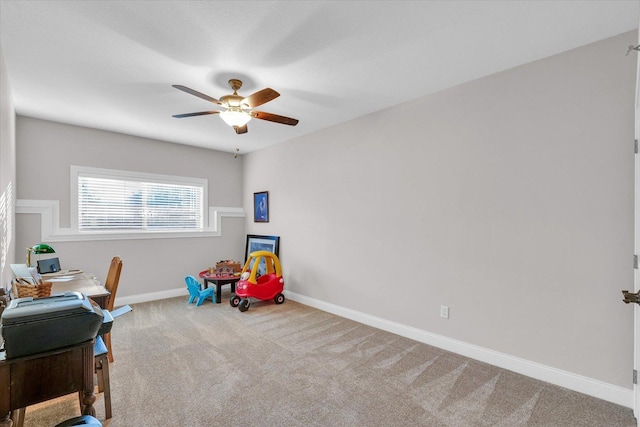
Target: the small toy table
(219, 281)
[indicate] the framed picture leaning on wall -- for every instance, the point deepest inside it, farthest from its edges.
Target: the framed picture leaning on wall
(261, 243)
(261, 206)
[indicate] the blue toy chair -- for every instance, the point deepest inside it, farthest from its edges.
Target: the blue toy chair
(194, 291)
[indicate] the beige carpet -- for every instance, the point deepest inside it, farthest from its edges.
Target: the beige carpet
(292, 365)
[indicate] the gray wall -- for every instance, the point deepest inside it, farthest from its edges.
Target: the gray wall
(7, 177)
(508, 199)
(45, 152)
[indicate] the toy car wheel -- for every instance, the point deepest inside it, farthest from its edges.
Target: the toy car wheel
(234, 301)
(279, 299)
(244, 305)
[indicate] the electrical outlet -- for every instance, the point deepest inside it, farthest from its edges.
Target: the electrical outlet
(444, 311)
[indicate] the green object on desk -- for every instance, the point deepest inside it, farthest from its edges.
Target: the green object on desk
(40, 248)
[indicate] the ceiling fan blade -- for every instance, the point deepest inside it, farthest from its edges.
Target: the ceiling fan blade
(201, 113)
(240, 129)
(261, 97)
(274, 118)
(198, 94)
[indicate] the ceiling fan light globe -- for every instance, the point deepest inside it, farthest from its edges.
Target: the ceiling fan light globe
(235, 117)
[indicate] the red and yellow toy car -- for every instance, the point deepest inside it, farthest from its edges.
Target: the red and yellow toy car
(261, 278)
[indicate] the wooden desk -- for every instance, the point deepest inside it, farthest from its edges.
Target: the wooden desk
(83, 282)
(218, 281)
(32, 379)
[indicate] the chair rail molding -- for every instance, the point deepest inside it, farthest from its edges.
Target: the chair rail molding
(50, 230)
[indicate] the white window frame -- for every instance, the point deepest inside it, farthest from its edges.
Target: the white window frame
(76, 171)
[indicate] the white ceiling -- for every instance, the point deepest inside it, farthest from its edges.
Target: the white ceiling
(110, 64)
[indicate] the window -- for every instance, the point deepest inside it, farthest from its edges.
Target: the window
(113, 200)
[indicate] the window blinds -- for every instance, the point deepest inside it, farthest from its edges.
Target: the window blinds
(119, 204)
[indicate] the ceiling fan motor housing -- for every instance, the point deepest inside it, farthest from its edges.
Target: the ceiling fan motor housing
(233, 101)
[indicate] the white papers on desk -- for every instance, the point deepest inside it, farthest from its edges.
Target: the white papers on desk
(61, 273)
(60, 279)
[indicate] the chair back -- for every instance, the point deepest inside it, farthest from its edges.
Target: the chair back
(192, 285)
(113, 278)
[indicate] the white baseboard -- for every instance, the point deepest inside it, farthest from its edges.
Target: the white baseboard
(152, 296)
(569, 380)
(599, 389)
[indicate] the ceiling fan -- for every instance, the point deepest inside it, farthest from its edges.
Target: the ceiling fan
(238, 110)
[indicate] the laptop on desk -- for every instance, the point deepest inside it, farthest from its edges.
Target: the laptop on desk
(24, 272)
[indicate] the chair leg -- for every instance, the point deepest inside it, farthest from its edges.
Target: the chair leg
(107, 342)
(102, 372)
(17, 416)
(99, 375)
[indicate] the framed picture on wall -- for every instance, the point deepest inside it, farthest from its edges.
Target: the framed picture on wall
(261, 206)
